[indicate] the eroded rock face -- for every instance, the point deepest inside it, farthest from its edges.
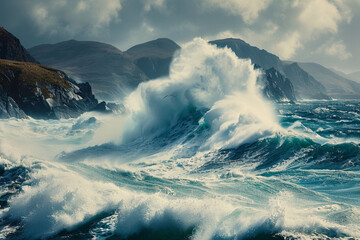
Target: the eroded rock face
(9, 108)
(278, 87)
(41, 92)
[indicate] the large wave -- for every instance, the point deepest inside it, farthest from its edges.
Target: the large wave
(207, 159)
(203, 76)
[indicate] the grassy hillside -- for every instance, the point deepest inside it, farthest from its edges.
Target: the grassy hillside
(32, 73)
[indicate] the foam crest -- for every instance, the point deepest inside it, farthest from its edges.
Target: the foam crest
(57, 199)
(202, 76)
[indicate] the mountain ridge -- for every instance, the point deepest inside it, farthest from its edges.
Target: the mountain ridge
(336, 86)
(147, 60)
(113, 72)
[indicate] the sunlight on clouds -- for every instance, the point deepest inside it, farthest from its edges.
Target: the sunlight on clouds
(319, 16)
(313, 19)
(288, 28)
(287, 48)
(150, 4)
(71, 17)
(81, 6)
(248, 9)
(338, 49)
(41, 13)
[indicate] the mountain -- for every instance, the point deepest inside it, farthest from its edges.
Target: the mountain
(304, 85)
(277, 86)
(336, 86)
(110, 71)
(113, 73)
(355, 76)
(11, 48)
(41, 92)
(244, 50)
(154, 57)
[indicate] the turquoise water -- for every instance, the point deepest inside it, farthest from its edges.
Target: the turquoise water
(301, 182)
(199, 155)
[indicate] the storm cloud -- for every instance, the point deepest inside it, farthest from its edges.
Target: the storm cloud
(324, 31)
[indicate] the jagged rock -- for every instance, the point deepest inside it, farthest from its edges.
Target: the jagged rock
(277, 87)
(101, 107)
(9, 108)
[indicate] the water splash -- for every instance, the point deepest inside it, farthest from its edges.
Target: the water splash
(203, 76)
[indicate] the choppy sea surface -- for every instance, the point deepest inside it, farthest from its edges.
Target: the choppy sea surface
(191, 157)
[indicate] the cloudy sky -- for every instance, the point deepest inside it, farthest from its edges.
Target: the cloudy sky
(323, 31)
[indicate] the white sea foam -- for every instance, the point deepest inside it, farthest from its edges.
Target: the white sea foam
(224, 202)
(203, 77)
(59, 198)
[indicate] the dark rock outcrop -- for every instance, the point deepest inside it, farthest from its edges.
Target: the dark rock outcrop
(41, 92)
(277, 87)
(9, 108)
(11, 48)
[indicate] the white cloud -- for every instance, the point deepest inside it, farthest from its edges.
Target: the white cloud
(71, 17)
(288, 25)
(150, 4)
(337, 49)
(318, 16)
(248, 9)
(288, 46)
(345, 9)
(307, 21)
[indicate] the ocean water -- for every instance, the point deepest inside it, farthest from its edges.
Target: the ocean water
(196, 155)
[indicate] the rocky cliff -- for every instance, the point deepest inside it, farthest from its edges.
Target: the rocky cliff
(41, 92)
(277, 87)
